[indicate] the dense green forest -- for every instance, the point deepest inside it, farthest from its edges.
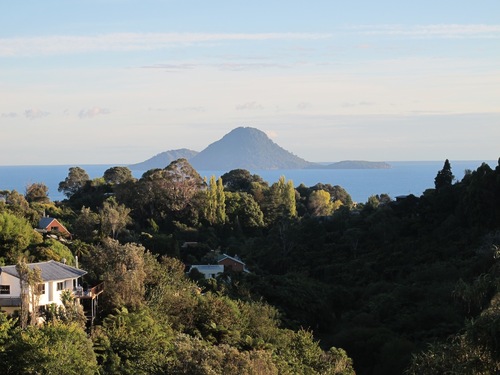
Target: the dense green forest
(404, 285)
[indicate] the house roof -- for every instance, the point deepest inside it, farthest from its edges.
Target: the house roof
(51, 270)
(207, 268)
(45, 222)
(235, 258)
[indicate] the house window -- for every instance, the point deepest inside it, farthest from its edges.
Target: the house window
(4, 289)
(54, 229)
(41, 289)
(60, 285)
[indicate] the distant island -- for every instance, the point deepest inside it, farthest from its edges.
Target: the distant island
(247, 148)
(353, 164)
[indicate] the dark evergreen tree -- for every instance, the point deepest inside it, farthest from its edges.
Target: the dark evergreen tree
(444, 177)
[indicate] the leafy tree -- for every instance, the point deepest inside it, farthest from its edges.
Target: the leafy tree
(114, 217)
(7, 326)
(215, 206)
(193, 356)
(52, 249)
(85, 224)
(320, 203)
(170, 295)
(444, 177)
(172, 191)
(301, 354)
(337, 193)
(29, 280)
(17, 203)
(280, 202)
(37, 192)
(121, 267)
(55, 348)
(133, 343)
(16, 236)
(118, 175)
(243, 211)
(76, 180)
(240, 180)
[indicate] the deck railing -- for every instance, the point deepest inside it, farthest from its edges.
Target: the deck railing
(89, 293)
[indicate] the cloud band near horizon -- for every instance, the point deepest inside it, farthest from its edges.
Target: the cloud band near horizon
(128, 42)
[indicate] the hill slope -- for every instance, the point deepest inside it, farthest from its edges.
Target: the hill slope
(246, 148)
(163, 159)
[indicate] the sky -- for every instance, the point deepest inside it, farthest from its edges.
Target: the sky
(119, 81)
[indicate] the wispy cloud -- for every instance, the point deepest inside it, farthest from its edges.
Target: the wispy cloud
(194, 109)
(9, 115)
(271, 133)
(35, 113)
(221, 66)
(304, 105)
(65, 44)
(93, 112)
(249, 106)
(432, 31)
(171, 67)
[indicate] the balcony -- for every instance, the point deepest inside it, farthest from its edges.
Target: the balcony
(10, 302)
(91, 293)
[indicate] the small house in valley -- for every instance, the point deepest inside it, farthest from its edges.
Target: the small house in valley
(51, 225)
(232, 264)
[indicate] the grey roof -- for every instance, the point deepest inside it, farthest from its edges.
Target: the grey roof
(208, 268)
(45, 222)
(51, 270)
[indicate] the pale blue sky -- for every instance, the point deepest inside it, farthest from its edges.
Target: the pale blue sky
(118, 81)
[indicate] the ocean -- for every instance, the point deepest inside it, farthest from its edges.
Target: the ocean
(405, 177)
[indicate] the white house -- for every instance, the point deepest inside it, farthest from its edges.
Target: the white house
(56, 277)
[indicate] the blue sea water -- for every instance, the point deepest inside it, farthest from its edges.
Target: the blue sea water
(405, 177)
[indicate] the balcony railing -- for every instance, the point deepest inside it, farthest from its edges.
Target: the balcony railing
(10, 301)
(89, 293)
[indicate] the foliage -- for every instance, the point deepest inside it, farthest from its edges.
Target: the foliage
(118, 175)
(215, 204)
(85, 225)
(114, 217)
(381, 280)
(16, 236)
(444, 177)
(132, 343)
(37, 192)
(52, 249)
(55, 348)
(122, 268)
(76, 180)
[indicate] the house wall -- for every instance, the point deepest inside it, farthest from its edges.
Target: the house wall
(51, 295)
(15, 288)
(231, 265)
(15, 291)
(56, 226)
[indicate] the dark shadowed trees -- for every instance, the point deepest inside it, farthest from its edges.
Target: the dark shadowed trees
(444, 177)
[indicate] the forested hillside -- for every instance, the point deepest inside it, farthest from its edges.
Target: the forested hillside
(383, 287)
